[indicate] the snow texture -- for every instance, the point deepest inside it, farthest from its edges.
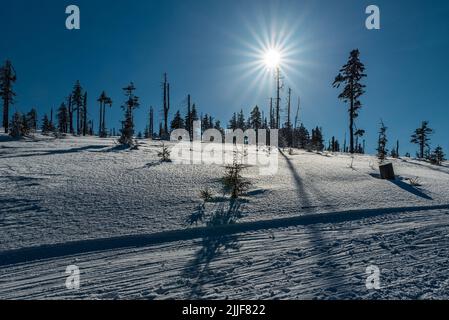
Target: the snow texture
(309, 231)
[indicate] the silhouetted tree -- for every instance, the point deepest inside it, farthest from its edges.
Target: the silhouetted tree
(359, 133)
(77, 98)
(317, 141)
(132, 102)
(32, 120)
(255, 119)
(166, 102)
(46, 125)
(177, 122)
(421, 137)
(301, 137)
(104, 101)
(233, 122)
(382, 142)
(7, 79)
(241, 120)
(151, 124)
(63, 119)
(16, 128)
(350, 77)
(188, 118)
(437, 156)
(85, 128)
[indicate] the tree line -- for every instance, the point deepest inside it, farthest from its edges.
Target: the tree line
(72, 117)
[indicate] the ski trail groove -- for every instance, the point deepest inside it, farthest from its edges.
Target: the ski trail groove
(24, 255)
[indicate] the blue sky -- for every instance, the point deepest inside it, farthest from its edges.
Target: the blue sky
(208, 48)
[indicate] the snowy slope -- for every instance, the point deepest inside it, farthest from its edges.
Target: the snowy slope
(323, 261)
(74, 189)
(54, 192)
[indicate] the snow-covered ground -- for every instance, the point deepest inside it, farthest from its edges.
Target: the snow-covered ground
(66, 199)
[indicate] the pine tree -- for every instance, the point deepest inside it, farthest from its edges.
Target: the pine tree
(85, 128)
(151, 124)
(359, 133)
(241, 120)
(7, 79)
(63, 119)
(317, 141)
(188, 119)
(104, 101)
(132, 102)
(166, 103)
(16, 126)
(77, 100)
(350, 77)
(255, 119)
(421, 137)
(437, 157)
(205, 123)
(46, 125)
(177, 122)
(301, 137)
(32, 120)
(382, 142)
(70, 112)
(233, 122)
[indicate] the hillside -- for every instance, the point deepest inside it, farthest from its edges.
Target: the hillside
(86, 191)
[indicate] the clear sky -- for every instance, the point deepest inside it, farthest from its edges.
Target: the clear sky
(210, 49)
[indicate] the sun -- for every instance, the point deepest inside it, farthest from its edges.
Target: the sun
(272, 58)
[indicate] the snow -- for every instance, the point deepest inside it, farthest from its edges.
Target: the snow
(110, 211)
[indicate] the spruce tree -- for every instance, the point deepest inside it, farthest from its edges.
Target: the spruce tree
(233, 122)
(317, 141)
(63, 119)
(16, 126)
(32, 120)
(350, 76)
(132, 102)
(177, 122)
(382, 142)
(302, 137)
(421, 137)
(241, 120)
(437, 157)
(46, 125)
(255, 119)
(77, 100)
(85, 128)
(7, 79)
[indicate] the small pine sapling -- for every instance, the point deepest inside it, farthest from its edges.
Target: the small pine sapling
(164, 154)
(233, 180)
(206, 195)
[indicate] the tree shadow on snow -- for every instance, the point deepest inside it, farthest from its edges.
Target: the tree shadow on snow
(56, 151)
(198, 272)
(330, 274)
(406, 187)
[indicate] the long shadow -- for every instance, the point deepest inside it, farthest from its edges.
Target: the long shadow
(332, 273)
(51, 251)
(431, 167)
(53, 152)
(406, 187)
(409, 188)
(198, 270)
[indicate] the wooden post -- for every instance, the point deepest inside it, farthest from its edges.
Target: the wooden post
(387, 171)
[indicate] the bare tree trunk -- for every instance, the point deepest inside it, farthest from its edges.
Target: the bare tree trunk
(6, 113)
(85, 115)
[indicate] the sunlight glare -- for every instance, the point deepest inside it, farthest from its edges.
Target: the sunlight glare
(272, 58)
